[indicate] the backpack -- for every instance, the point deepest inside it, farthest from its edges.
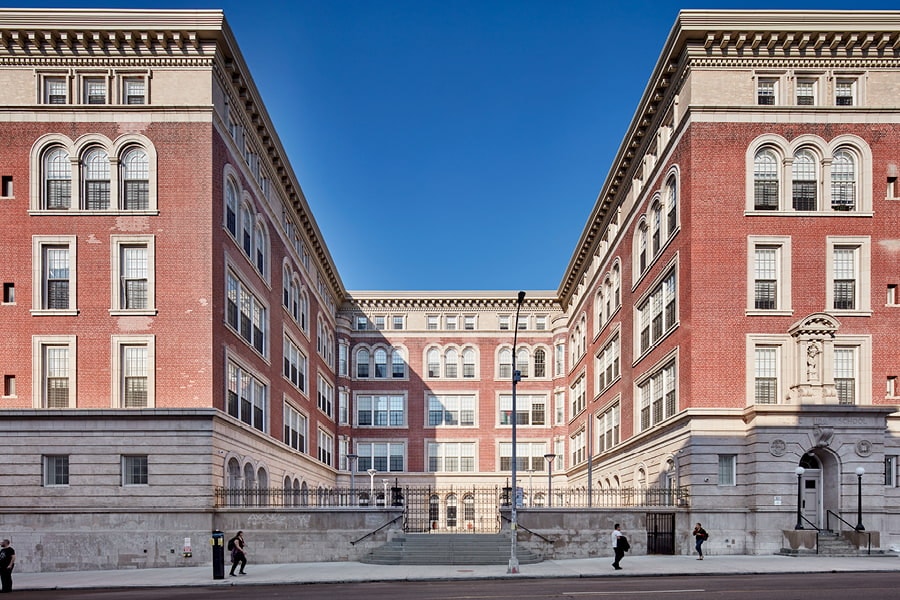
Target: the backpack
(231, 544)
(623, 543)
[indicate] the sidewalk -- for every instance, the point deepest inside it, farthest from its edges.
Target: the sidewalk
(344, 572)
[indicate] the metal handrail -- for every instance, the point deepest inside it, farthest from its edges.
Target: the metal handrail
(829, 512)
(520, 526)
(374, 531)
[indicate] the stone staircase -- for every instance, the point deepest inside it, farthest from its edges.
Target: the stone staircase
(448, 549)
(831, 543)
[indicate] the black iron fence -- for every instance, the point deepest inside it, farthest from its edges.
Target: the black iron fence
(468, 508)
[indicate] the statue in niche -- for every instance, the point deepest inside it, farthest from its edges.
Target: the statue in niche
(812, 361)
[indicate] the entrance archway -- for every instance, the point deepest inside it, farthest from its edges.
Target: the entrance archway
(820, 490)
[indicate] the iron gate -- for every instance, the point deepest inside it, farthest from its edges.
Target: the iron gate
(660, 533)
(452, 510)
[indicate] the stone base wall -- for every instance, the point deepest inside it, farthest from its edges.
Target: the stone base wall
(47, 542)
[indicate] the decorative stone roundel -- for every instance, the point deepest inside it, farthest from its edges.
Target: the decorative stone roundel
(777, 447)
(864, 448)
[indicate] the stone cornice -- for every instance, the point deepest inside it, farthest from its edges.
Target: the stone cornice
(447, 301)
(751, 39)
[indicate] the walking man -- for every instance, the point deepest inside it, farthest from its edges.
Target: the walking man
(7, 562)
(700, 536)
(618, 550)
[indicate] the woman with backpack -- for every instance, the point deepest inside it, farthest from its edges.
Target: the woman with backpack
(700, 536)
(238, 555)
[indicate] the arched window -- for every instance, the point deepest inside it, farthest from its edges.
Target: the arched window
(451, 510)
(843, 181)
(362, 363)
(656, 225)
(304, 310)
(540, 363)
(505, 364)
(398, 364)
(617, 290)
(671, 207)
(260, 247)
(765, 180)
(451, 364)
(601, 305)
(135, 168)
(231, 208)
(286, 287)
(234, 474)
(247, 231)
(523, 358)
(642, 247)
(803, 181)
(95, 179)
(468, 357)
(380, 363)
(433, 360)
(57, 179)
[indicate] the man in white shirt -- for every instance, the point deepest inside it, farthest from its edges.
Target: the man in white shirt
(619, 552)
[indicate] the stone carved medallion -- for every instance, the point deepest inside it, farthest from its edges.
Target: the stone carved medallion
(864, 448)
(777, 447)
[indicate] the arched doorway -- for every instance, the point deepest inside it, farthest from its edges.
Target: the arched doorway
(819, 486)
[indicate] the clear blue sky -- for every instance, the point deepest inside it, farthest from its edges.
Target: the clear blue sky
(452, 144)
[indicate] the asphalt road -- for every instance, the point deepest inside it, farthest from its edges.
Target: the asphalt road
(814, 586)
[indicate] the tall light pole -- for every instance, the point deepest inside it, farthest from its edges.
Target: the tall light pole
(351, 459)
(859, 473)
(516, 376)
(550, 458)
(799, 471)
(371, 473)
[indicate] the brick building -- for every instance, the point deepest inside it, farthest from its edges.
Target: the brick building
(175, 324)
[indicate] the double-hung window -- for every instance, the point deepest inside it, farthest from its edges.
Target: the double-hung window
(54, 284)
(451, 410)
(244, 312)
(451, 457)
(54, 361)
(57, 176)
(246, 396)
(765, 91)
(295, 428)
(135, 168)
(56, 90)
(95, 175)
(381, 411)
(804, 181)
(133, 260)
(134, 369)
(845, 374)
(765, 368)
(94, 90)
(384, 457)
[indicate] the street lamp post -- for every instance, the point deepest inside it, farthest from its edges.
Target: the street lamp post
(371, 473)
(513, 560)
(549, 458)
(799, 471)
(385, 483)
(859, 473)
(351, 460)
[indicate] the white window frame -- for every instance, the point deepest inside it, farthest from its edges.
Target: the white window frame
(441, 456)
(527, 405)
(325, 447)
(117, 243)
(783, 295)
(89, 83)
(727, 470)
(297, 421)
(39, 280)
(764, 81)
(296, 358)
(125, 91)
(786, 371)
(262, 384)
(49, 475)
(47, 79)
(393, 407)
(862, 355)
(38, 367)
(862, 275)
(529, 456)
(456, 410)
(118, 343)
(128, 470)
(369, 451)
